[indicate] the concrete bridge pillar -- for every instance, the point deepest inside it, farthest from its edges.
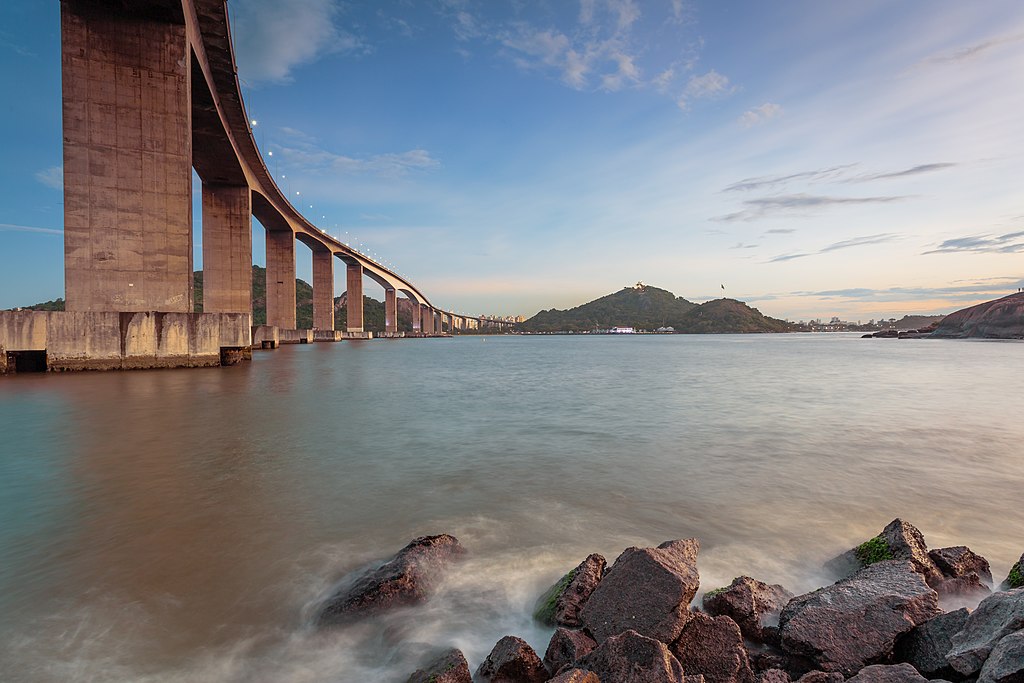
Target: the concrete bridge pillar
(417, 322)
(281, 279)
(390, 310)
(354, 297)
(427, 315)
(323, 289)
(127, 126)
(227, 249)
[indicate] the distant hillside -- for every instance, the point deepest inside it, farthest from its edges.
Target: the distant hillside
(648, 308)
(999, 319)
(914, 322)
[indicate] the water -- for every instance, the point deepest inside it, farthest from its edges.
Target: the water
(181, 525)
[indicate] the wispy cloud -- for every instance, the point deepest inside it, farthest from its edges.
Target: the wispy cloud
(272, 37)
(761, 182)
(961, 292)
(743, 245)
(1010, 243)
(757, 115)
(915, 170)
(974, 50)
(7, 227)
(835, 246)
(780, 231)
(796, 204)
(787, 257)
(303, 151)
(711, 85)
(52, 177)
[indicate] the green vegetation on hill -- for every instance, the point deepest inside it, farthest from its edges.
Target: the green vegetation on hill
(648, 308)
(55, 305)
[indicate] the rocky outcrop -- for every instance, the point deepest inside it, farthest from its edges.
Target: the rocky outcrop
(773, 676)
(648, 590)
(1015, 579)
(1006, 663)
(576, 676)
(964, 571)
(512, 661)
(562, 603)
(999, 319)
(752, 604)
(926, 645)
(881, 673)
(899, 540)
(632, 658)
(450, 667)
(997, 616)
(567, 647)
(820, 677)
(856, 622)
(713, 646)
(406, 579)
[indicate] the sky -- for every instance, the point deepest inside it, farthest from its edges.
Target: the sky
(813, 159)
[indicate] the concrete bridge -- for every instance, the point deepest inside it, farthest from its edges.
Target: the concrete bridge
(150, 92)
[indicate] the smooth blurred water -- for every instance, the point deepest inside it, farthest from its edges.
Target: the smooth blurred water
(180, 525)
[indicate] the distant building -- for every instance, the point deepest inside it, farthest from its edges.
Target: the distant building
(622, 330)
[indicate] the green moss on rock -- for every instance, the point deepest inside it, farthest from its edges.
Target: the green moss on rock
(544, 609)
(1016, 577)
(875, 550)
(712, 593)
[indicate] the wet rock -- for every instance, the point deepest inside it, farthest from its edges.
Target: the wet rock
(1015, 579)
(751, 604)
(648, 590)
(567, 647)
(855, 622)
(713, 646)
(773, 676)
(964, 571)
(894, 673)
(561, 604)
(406, 579)
(997, 616)
(1006, 663)
(693, 678)
(926, 645)
(576, 676)
(899, 540)
(820, 677)
(450, 667)
(512, 661)
(632, 658)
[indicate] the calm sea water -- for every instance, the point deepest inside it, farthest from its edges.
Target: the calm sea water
(181, 525)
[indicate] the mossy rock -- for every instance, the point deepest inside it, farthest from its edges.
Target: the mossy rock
(544, 608)
(1016, 577)
(712, 593)
(875, 550)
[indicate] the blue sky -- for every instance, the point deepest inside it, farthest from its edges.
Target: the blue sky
(854, 159)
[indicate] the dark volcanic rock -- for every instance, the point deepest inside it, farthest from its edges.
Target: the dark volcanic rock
(751, 604)
(648, 590)
(965, 572)
(926, 645)
(1015, 579)
(561, 604)
(713, 646)
(576, 676)
(512, 661)
(405, 579)
(897, 673)
(773, 676)
(856, 621)
(820, 677)
(632, 658)
(999, 319)
(997, 616)
(1006, 663)
(567, 647)
(451, 667)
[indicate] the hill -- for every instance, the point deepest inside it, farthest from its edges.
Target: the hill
(999, 319)
(648, 308)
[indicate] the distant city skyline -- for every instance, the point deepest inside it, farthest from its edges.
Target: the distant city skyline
(859, 160)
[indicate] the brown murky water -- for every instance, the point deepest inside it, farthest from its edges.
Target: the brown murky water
(181, 525)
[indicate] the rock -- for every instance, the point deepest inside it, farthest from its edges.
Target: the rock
(1015, 579)
(648, 590)
(997, 616)
(576, 676)
(632, 658)
(406, 579)
(773, 676)
(820, 677)
(450, 667)
(751, 604)
(926, 645)
(964, 571)
(882, 673)
(561, 604)
(1006, 663)
(999, 319)
(846, 626)
(693, 678)
(713, 646)
(567, 647)
(512, 661)
(899, 540)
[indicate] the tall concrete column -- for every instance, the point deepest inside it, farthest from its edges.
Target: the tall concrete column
(127, 126)
(428, 320)
(354, 279)
(390, 310)
(227, 249)
(417, 323)
(281, 279)
(323, 289)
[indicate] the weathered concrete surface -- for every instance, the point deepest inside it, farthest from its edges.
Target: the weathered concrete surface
(227, 249)
(266, 337)
(354, 297)
(295, 336)
(323, 289)
(390, 311)
(84, 340)
(281, 279)
(999, 319)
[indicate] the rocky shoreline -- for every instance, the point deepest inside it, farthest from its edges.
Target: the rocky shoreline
(635, 621)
